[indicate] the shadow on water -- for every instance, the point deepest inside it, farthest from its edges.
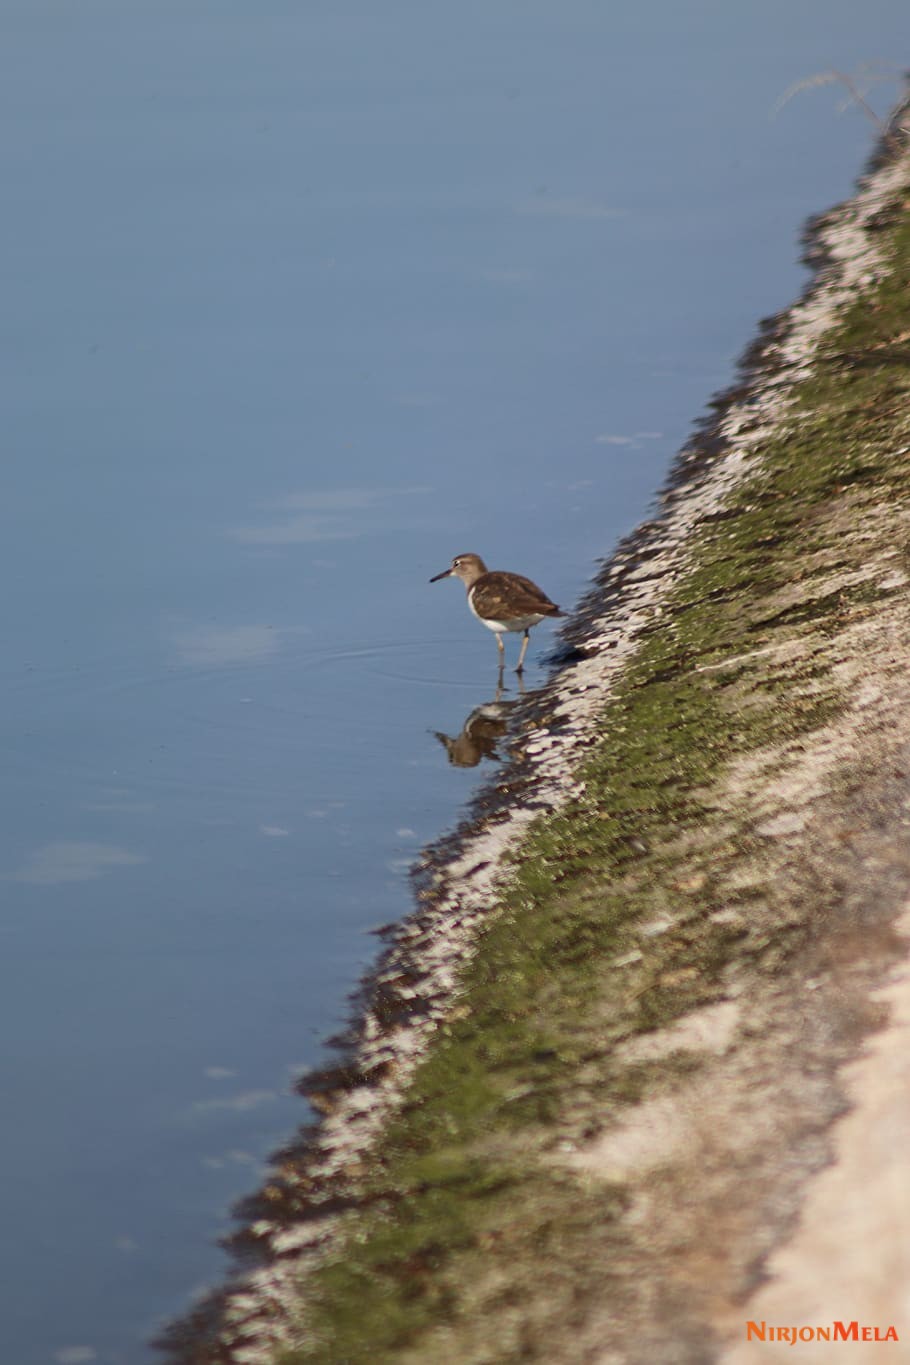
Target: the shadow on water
(482, 730)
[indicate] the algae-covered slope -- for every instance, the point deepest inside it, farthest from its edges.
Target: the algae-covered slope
(598, 1070)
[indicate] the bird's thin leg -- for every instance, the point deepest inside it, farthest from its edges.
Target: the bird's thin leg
(521, 657)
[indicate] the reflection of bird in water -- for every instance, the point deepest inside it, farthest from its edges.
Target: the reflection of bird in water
(485, 725)
(502, 601)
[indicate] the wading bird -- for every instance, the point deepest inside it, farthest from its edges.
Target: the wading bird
(502, 601)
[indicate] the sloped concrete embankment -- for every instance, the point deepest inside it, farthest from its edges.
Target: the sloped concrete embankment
(634, 1072)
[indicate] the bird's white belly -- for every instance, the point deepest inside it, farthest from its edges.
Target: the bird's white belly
(515, 623)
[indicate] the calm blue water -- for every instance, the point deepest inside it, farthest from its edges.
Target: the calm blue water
(299, 301)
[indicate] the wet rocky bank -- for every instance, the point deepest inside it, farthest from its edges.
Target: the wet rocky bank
(633, 1072)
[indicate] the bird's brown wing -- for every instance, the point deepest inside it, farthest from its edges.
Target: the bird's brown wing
(501, 596)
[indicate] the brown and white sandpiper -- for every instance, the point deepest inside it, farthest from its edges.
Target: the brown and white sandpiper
(502, 601)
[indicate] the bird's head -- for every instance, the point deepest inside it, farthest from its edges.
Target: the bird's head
(466, 567)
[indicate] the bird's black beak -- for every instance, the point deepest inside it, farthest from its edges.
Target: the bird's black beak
(446, 573)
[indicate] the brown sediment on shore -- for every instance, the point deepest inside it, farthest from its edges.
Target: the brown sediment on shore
(603, 1069)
